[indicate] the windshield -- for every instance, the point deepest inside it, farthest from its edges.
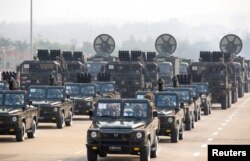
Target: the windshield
(140, 96)
(88, 90)
(45, 68)
(203, 88)
(3, 86)
(217, 71)
(165, 68)
(95, 67)
(165, 101)
(55, 93)
(183, 68)
(105, 87)
(135, 110)
(183, 95)
(108, 109)
(72, 90)
(128, 69)
(14, 99)
(37, 93)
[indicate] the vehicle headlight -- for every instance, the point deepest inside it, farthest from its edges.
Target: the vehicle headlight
(138, 135)
(170, 119)
(14, 119)
(55, 109)
(93, 134)
(88, 103)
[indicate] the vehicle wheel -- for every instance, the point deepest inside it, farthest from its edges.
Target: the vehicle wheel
(224, 103)
(102, 154)
(181, 133)
(175, 135)
(188, 124)
(199, 114)
(32, 133)
(154, 148)
(206, 109)
(91, 155)
(60, 121)
(145, 155)
(20, 135)
(196, 113)
(69, 119)
(193, 121)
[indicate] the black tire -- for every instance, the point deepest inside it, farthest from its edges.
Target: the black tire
(145, 155)
(199, 114)
(175, 135)
(103, 155)
(196, 113)
(20, 134)
(181, 133)
(154, 148)
(32, 133)
(206, 108)
(69, 119)
(224, 102)
(60, 121)
(91, 155)
(188, 124)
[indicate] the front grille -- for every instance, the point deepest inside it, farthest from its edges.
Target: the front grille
(113, 143)
(46, 110)
(115, 136)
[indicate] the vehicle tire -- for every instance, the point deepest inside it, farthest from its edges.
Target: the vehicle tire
(224, 102)
(199, 114)
(145, 155)
(196, 113)
(188, 124)
(103, 155)
(91, 155)
(69, 119)
(154, 148)
(175, 134)
(60, 121)
(181, 132)
(20, 135)
(32, 133)
(206, 109)
(193, 122)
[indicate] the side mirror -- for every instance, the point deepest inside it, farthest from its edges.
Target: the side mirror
(182, 105)
(155, 114)
(29, 102)
(68, 96)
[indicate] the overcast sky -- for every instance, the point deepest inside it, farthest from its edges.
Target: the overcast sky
(193, 12)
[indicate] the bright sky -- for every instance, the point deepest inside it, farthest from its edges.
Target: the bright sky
(193, 12)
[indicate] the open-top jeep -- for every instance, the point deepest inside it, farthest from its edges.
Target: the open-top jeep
(171, 115)
(83, 95)
(16, 116)
(196, 99)
(123, 126)
(185, 98)
(52, 103)
(107, 89)
(205, 96)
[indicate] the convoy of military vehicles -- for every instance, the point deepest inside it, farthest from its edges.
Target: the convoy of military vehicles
(132, 99)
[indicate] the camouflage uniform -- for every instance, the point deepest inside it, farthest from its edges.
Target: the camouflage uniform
(150, 97)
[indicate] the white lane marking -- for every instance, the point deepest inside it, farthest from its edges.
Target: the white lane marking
(215, 133)
(203, 145)
(78, 152)
(209, 139)
(196, 154)
(220, 128)
(224, 124)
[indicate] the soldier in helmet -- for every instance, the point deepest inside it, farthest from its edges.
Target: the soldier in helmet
(150, 97)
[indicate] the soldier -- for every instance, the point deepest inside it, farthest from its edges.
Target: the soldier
(150, 97)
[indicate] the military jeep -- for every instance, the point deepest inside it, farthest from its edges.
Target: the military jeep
(53, 105)
(123, 126)
(83, 95)
(205, 96)
(17, 117)
(107, 89)
(171, 115)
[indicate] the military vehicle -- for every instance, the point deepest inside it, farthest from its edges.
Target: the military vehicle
(123, 126)
(107, 89)
(247, 75)
(231, 45)
(104, 45)
(169, 65)
(84, 96)
(185, 98)
(48, 70)
(53, 105)
(75, 63)
(171, 115)
(205, 96)
(17, 116)
(128, 73)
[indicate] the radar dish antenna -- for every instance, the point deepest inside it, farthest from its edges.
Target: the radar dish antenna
(165, 44)
(104, 44)
(231, 44)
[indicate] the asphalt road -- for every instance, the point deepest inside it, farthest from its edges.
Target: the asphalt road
(229, 126)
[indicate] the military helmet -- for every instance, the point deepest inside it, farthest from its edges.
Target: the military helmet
(149, 96)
